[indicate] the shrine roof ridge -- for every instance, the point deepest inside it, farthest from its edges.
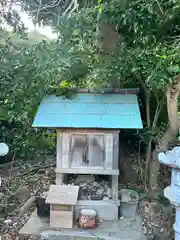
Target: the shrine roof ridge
(111, 90)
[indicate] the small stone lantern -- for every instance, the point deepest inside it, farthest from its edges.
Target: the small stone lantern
(172, 192)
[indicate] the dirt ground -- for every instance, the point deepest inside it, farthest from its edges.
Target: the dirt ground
(25, 181)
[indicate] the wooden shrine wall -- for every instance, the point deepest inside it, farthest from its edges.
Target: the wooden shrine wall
(93, 149)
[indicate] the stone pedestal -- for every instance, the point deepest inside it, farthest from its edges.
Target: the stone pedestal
(172, 192)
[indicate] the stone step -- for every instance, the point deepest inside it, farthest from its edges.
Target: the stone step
(125, 229)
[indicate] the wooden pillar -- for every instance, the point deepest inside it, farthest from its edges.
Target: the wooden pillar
(65, 150)
(116, 151)
(115, 196)
(115, 178)
(59, 176)
(108, 151)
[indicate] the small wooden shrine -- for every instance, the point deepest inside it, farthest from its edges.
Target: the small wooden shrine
(62, 200)
(88, 128)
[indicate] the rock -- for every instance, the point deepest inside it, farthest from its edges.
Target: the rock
(97, 197)
(145, 230)
(15, 224)
(83, 197)
(91, 189)
(82, 185)
(106, 198)
(146, 210)
(95, 184)
(8, 222)
(161, 230)
(109, 192)
(100, 190)
(1, 195)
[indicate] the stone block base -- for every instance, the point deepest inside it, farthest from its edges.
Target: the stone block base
(106, 210)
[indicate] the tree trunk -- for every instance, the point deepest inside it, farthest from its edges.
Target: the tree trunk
(147, 161)
(148, 122)
(109, 37)
(154, 171)
(153, 162)
(172, 95)
(148, 117)
(150, 168)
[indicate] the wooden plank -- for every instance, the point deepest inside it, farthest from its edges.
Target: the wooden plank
(96, 150)
(61, 219)
(59, 178)
(115, 189)
(61, 207)
(89, 130)
(83, 170)
(78, 150)
(62, 194)
(66, 155)
(108, 151)
(116, 151)
(59, 149)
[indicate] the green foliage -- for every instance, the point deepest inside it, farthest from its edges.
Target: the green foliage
(31, 38)
(148, 55)
(25, 77)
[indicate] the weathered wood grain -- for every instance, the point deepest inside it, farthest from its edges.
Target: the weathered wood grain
(115, 188)
(108, 151)
(62, 194)
(59, 149)
(78, 150)
(61, 219)
(116, 150)
(96, 150)
(66, 150)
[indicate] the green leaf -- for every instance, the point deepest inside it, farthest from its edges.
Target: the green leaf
(100, 9)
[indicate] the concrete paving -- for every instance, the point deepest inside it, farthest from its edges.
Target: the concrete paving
(125, 229)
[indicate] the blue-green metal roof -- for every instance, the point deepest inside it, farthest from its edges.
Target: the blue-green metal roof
(88, 110)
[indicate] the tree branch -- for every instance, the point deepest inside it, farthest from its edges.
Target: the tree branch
(71, 8)
(147, 95)
(157, 112)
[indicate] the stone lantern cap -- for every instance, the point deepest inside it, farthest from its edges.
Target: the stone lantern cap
(4, 149)
(170, 158)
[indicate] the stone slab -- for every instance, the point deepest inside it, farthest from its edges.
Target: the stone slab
(105, 203)
(126, 229)
(83, 170)
(107, 210)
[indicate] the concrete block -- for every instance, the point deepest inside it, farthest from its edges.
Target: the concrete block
(106, 210)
